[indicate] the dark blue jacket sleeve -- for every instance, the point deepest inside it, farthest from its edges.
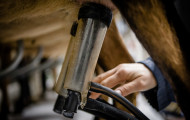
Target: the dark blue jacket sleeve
(162, 95)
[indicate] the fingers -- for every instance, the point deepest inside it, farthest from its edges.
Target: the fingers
(111, 81)
(124, 90)
(99, 79)
(139, 78)
(130, 87)
(103, 76)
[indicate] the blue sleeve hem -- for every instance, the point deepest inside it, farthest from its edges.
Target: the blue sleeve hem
(163, 94)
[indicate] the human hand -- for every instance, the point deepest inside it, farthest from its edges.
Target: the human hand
(132, 78)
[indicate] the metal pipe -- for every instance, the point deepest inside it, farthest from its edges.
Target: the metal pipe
(83, 51)
(16, 61)
(84, 55)
(23, 70)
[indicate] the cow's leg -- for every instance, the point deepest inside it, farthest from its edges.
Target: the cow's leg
(149, 22)
(5, 53)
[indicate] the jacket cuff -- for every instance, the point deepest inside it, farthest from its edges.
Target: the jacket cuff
(162, 95)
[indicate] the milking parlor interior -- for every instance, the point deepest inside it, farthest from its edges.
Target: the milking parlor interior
(94, 60)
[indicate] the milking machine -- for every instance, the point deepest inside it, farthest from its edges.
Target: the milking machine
(74, 85)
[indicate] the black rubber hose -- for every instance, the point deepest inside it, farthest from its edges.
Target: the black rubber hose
(106, 111)
(95, 87)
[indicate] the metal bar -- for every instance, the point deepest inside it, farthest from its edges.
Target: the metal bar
(24, 70)
(16, 61)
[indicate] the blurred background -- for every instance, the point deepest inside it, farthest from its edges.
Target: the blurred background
(31, 96)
